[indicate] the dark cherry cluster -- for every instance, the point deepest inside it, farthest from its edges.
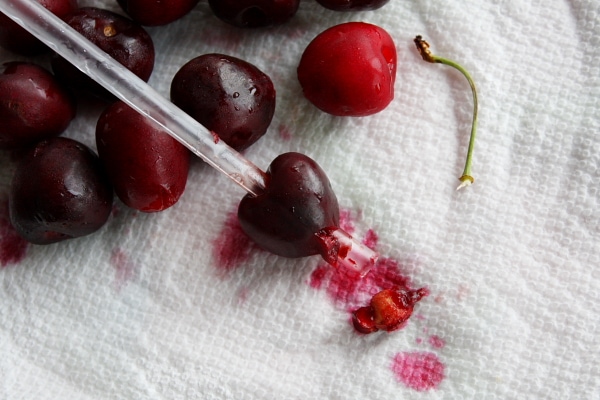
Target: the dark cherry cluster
(62, 189)
(146, 168)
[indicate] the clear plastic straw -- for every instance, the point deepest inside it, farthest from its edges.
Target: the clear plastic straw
(126, 86)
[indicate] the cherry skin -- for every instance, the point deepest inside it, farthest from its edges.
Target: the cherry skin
(59, 191)
(33, 105)
(16, 39)
(147, 167)
(254, 13)
(352, 5)
(154, 13)
(349, 70)
(123, 39)
(298, 203)
(228, 96)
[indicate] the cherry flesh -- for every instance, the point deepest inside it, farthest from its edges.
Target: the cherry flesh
(16, 39)
(154, 13)
(123, 39)
(297, 204)
(228, 96)
(59, 191)
(349, 70)
(33, 105)
(352, 5)
(147, 167)
(254, 13)
(389, 310)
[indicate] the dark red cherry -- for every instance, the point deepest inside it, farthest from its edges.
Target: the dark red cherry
(352, 5)
(147, 167)
(16, 39)
(349, 70)
(33, 105)
(254, 13)
(59, 191)
(229, 96)
(123, 39)
(157, 12)
(297, 204)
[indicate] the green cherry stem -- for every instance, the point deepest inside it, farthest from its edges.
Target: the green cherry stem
(423, 47)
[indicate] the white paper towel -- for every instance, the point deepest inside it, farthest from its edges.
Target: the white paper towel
(161, 306)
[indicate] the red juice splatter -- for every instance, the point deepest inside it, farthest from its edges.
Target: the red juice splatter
(352, 291)
(436, 342)
(125, 269)
(13, 247)
(420, 371)
(232, 248)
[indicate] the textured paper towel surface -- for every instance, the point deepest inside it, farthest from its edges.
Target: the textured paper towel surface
(160, 307)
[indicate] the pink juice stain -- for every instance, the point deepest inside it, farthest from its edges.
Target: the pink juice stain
(13, 247)
(232, 247)
(350, 290)
(125, 269)
(420, 371)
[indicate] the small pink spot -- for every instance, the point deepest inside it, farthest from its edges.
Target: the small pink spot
(232, 248)
(420, 371)
(216, 137)
(13, 247)
(436, 342)
(125, 269)
(284, 132)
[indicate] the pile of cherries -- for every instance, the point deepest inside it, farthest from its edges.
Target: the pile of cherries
(62, 189)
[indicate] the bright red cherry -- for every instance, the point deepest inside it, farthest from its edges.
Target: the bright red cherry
(16, 39)
(33, 105)
(158, 12)
(297, 204)
(147, 167)
(352, 5)
(349, 70)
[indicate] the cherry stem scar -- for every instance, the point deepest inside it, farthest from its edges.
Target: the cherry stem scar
(423, 48)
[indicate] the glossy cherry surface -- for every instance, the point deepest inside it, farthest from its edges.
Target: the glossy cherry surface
(157, 12)
(254, 13)
(349, 69)
(123, 39)
(16, 39)
(228, 96)
(352, 5)
(297, 204)
(33, 105)
(59, 191)
(147, 167)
